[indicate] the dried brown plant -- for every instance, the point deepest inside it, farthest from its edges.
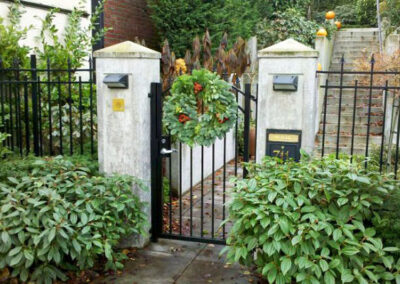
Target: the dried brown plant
(196, 53)
(226, 63)
(382, 62)
(207, 56)
(221, 55)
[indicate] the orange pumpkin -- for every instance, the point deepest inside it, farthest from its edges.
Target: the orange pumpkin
(322, 32)
(338, 25)
(330, 15)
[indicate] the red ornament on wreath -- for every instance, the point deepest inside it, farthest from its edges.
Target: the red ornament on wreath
(197, 88)
(183, 118)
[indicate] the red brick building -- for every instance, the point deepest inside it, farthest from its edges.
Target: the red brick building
(129, 19)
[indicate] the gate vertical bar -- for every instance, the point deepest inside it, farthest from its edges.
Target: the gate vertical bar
(71, 143)
(340, 107)
(35, 126)
(354, 120)
(396, 163)
(371, 82)
(324, 121)
(91, 80)
(49, 107)
(26, 115)
(383, 127)
(156, 167)
(246, 131)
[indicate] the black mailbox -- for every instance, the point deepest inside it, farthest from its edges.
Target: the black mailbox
(284, 144)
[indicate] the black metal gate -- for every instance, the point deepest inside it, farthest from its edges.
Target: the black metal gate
(190, 185)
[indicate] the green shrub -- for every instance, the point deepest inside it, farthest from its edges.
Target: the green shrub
(57, 216)
(346, 14)
(288, 24)
(3, 150)
(311, 222)
(390, 10)
(366, 12)
(387, 221)
(11, 35)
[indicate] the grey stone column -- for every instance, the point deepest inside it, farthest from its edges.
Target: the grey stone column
(124, 114)
(293, 110)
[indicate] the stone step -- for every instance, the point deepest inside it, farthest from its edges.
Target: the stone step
(361, 110)
(331, 128)
(348, 118)
(365, 37)
(329, 149)
(350, 91)
(347, 78)
(348, 101)
(360, 30)
(354, 46)
(349, 56)
(345, 140)
(347, 66)
(355, 42)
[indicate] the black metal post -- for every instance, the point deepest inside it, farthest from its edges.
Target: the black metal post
(156, 160)
(36, 144)
(369, 107)
(324, 121)
(340, 106)
(246, 131)
(354, 120)
(396, 162)
(71, 141)
(49, 99)
(383, 127)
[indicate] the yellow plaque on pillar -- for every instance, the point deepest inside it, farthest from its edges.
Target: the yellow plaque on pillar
(118, 105)
(280, 137)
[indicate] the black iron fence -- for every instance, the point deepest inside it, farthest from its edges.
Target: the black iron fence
(360, 115)
(48, 110)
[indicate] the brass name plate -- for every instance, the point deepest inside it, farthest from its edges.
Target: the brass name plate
(283, 137)
(118, 105)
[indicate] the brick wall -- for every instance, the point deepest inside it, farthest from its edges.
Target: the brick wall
(129, 19)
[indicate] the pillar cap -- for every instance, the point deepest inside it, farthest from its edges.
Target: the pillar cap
(288, 48)
(127, 49)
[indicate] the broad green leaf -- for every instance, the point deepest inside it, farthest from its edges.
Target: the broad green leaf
(324, 265)
(350, 250)
(337, 234)
(328, 278)
(296, 240)
(286, 264)
(347, 278)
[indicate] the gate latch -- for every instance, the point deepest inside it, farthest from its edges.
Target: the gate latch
(165, 146)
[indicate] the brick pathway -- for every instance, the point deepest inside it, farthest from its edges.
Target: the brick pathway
(207, 202)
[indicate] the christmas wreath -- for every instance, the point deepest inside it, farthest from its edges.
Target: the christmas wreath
(200, 109)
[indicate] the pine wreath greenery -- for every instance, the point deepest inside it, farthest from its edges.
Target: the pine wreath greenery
(200, 109)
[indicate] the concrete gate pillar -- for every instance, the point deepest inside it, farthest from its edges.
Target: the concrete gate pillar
(124, 73)
(289, 116)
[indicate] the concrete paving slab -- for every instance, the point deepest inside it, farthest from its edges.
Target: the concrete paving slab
(201, 271)
(170, 261)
